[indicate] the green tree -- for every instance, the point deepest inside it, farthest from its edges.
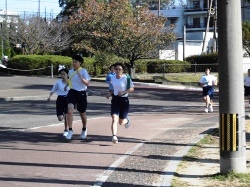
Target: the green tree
(5, 38)
(117, 28)
(70, 6)
(246, 36)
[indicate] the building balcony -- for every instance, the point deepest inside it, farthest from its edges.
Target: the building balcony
(198, 25)
(195, 9)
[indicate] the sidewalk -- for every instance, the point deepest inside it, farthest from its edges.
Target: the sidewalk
(146, 155)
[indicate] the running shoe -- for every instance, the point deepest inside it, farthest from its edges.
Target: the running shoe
(128, 123)
(69, 135)
(206, 110)
(83, 134)
(115, 140)
(210, 108)
(65, 133)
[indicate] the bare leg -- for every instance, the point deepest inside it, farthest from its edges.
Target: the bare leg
(114, 124)
(211, 102)
(207, 101)
(84, 119)
(60, 118)
(123, 121)
(70, 114)
(66, 121)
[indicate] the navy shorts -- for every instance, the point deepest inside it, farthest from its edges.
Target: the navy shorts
(78, 98)
(61, 105)
(120, 106)
(247, 91)
(208, 90)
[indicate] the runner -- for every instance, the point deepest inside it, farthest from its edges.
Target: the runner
(78, 82)
(61, 101)
(207, 82)
(122, 85)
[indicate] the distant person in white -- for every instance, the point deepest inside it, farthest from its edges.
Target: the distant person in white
(61, 101)
(247, 86)
(207, 82)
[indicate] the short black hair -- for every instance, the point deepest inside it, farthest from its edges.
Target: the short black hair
(113, 65)
(119, 64)
(65, 70)
(78, 58)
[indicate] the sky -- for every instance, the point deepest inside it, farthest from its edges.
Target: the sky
(21, 6)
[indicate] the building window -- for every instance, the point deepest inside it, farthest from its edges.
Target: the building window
(196, 4)
(196, 22)
(171, 21)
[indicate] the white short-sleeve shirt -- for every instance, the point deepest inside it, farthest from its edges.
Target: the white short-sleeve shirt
(77, 83)
(208, 80)
(120, 84)
(58, 88)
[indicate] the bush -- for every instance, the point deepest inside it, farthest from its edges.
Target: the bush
(161, 66)
(41, 64)
(200, 62)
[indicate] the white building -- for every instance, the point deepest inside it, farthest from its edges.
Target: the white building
(10, 16)
(194, 15)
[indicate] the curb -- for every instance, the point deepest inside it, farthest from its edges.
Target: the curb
(173, 165)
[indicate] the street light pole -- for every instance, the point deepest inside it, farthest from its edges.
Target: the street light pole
(2, 55)
(159, 7)
(231, 100)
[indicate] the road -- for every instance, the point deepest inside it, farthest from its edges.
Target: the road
(163, 123)
(30, 109)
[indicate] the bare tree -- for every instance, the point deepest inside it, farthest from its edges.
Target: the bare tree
(37, 36)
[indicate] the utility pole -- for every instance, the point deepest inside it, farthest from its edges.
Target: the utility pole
(2, 55)
(159, 7)
(184, 42)
(215, 48)
(231, 101)
(38, 8)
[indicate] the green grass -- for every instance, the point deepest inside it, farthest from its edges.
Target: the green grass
(230, 179)
(239, 178)
(174, 78)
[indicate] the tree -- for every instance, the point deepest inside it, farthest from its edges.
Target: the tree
(39, 36)
(69, 6)
(118, 28)
(246, 36)
(5, 38)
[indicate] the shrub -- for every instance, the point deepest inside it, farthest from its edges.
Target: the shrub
(41, 64)
(200, 62)
(163, 66)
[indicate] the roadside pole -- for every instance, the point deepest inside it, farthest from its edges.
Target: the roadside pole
(231, 100)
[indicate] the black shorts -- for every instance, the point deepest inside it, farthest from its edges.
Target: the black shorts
(61, 105)
(78, 98)
(120, 106)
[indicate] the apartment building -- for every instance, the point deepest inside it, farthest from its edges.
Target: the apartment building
(196, 19)
(196, 15)
(9, 16)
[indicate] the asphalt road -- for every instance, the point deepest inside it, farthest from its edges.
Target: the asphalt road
(164, 122)
(27, 106)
